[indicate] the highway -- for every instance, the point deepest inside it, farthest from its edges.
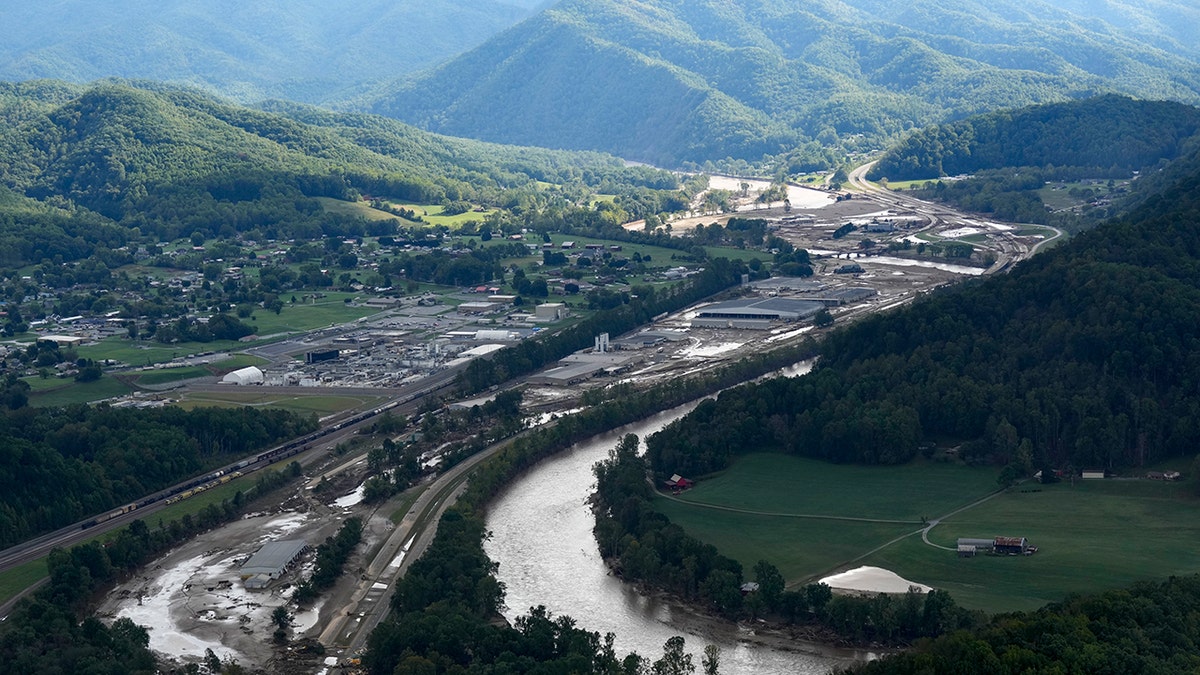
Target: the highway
(1007, 247)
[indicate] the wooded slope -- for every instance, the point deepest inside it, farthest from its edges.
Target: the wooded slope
(670, 82)
(1084, 356)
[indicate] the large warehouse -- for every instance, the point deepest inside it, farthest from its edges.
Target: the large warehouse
(271, 561)
(755, 313)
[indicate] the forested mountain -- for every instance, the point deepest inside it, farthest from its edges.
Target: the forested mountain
(1101, 134)
(302, 50)
(1084, 356)
(82, 165)
(671, 82)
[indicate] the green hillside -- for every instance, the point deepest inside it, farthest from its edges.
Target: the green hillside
(675, 82)
(1081, 357)
(302, 50)
(1102, 134)
(82, 166)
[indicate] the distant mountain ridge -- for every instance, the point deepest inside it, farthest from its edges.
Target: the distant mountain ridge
(672, 82)
(302, 50)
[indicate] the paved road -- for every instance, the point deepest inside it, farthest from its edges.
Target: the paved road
(1005, 245)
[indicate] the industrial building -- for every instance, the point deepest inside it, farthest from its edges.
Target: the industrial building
(318, 356)
(550, 311)
(755, 313)
(244, 376)
(788, 285)
(579, 367)
(844, 296)
(271, 561)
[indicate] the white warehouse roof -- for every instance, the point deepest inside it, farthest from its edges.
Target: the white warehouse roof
(242, 376)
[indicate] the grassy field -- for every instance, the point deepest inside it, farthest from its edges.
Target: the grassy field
(356, 210)
(321, 404)
(1091, 536)
(432, 214)
(167, 375)
(70, 391)
(19, 578)
(293, 318)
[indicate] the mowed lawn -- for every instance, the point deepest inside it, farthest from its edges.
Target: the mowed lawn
(794, 485)
(1091, 536)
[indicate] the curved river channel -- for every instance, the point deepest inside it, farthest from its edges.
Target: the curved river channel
(542, 539)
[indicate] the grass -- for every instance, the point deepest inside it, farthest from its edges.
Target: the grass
(321, 404)
(356, 210)
(432, 214)
(166, 375)
(299, 317)
(909, 184)
(1092, 536)
(21, 577)
(78, 392)
(407, 499)
(795, 485)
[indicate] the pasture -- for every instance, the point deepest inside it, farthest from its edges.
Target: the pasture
(1091, 536)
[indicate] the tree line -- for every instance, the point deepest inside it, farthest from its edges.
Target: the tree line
(1146, 628)
(52, 631)
(643, 546)
(60, 465)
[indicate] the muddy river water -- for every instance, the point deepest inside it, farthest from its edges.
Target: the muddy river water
(542, 539)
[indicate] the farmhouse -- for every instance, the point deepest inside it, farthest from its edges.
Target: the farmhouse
(677, 482)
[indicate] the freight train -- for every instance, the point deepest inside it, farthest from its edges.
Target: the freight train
(185, 490)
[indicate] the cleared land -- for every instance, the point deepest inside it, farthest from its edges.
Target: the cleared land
(321, 404)
(1094, 535)
(69, 391)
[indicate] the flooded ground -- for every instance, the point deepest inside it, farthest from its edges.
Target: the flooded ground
(193, 599)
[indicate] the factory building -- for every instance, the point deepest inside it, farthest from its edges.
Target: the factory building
(755, 313)
(844, 296)
(271, 561)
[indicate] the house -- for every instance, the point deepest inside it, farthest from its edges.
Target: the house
(677, 482)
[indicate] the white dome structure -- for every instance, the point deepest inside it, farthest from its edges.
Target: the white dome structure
(244, 376)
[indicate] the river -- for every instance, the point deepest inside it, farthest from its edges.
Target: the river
(541, 529)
